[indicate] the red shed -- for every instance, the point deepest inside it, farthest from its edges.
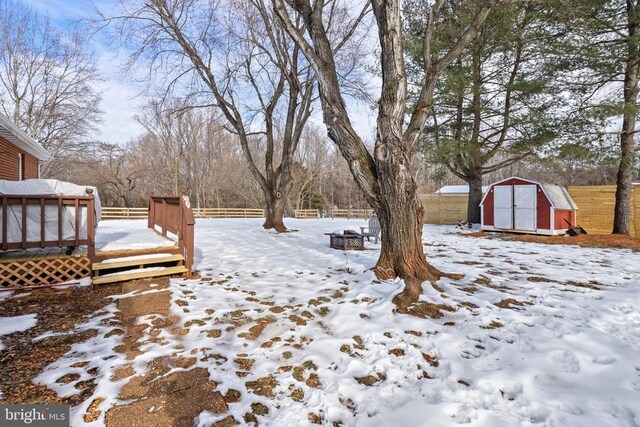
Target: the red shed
(525, 206)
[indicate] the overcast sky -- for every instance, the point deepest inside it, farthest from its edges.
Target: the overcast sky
(121, 98)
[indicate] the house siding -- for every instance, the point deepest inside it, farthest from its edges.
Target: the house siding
(9, 162)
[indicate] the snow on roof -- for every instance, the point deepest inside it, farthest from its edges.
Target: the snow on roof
(16, 136)
(559, 196)
(461, 189)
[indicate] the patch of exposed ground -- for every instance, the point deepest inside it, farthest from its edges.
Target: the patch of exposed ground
(511, 303)
(426, 310)
(167, 400)
(617, 241)
(58, 311)
(161, 396)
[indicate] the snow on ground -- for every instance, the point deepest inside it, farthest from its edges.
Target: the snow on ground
(570, 358)
(541, 334)
(113, 235)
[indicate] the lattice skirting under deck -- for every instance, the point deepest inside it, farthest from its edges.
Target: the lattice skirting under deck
(34, 272)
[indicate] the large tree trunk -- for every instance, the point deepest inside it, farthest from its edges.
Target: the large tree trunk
(624, 180)
(475, 197)
(276, 196)
(622, 216)
(274, 205)
(395, 193)
(402, 253)
(384, 178)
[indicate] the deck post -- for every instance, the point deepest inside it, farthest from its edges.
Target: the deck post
(42, 228)
(24, 223)
(165, 213)
(151, 215)
(188, 222)
(91, 226)
(5, 239)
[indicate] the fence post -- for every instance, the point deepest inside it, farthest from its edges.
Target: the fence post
(186, 237)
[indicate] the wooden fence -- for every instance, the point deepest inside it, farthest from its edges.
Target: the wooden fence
(350, 213)
(306, 213)
(124, 213)
(142, 213)
(228, 213)
(595, 208)
(444, 208)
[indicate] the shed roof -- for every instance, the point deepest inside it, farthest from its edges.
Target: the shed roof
(559, 196)
(17, 137)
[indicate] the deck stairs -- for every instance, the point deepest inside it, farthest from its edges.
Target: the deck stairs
(124, 268)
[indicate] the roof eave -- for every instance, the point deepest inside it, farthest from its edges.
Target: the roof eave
(19, 138)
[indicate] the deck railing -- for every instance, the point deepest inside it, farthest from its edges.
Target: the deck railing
(17, 212)
(174, 215)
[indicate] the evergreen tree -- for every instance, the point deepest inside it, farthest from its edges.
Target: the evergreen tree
(601, 39)
(498, 104)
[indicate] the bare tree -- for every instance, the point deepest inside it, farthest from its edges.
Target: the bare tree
(122, 174)
(47, 82)
(237, 58)
(385, 177)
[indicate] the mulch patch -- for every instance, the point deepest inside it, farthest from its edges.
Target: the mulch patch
(424, 310)
(511, 303)
(57, 311)
(616, 241)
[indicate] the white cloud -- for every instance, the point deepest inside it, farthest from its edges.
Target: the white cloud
(120, 102)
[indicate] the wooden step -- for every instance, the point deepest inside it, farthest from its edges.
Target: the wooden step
(135, 261)
(139, 274)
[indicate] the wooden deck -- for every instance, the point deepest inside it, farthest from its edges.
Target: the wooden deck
(47, 253)
(46, 266)
(115, 251)
(38, 267)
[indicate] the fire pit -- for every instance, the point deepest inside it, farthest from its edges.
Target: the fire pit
(348, 240)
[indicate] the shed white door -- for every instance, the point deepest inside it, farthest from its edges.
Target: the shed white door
(524, 205)
(503, 207)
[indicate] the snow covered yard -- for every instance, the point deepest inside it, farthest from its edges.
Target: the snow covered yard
(286, 331)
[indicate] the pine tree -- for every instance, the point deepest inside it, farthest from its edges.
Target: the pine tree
(498, 103)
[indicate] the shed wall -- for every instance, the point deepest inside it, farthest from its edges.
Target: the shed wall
(543, 210)
(543, 206)
(560, 218)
